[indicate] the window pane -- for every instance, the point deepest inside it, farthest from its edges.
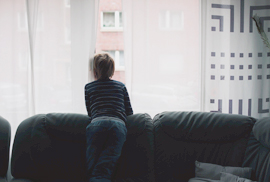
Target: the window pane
(120, 19)
(112, 53)
(108, 19)
(121, 58)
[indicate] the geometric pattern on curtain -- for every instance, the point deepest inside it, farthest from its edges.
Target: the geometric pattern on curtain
(236, 62)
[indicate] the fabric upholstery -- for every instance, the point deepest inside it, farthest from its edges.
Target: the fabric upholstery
(202, 180)
(181, 138)
(3, 179)
(51, 147)
(227, 177)
(213, 171)
(5, 134)
(258, 151)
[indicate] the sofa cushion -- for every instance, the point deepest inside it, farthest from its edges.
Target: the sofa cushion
(258, 151)
(181, 138)
(50, 146)
(136, 162)
(227, 177)
(213, 171)
(202, 180)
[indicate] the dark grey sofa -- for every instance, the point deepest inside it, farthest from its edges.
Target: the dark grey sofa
(5, 133)
(51, 147)
(181, 138)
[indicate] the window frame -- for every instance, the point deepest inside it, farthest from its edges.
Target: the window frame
(117, 27)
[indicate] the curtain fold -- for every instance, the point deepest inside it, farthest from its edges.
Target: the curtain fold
(32, 14)
(84, 15)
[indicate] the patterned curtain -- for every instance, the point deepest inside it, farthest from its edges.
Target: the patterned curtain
(236, 61)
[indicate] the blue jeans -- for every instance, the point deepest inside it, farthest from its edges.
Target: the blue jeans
(104, 138)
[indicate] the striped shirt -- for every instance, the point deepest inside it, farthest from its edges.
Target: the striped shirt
(107, 98)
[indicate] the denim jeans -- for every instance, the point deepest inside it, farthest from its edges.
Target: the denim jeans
(104, 138)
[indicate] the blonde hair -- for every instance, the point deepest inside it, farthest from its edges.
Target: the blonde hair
(103, 66)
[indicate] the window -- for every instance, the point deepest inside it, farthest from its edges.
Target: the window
(111, 21)
(171, 20)
(118, 57)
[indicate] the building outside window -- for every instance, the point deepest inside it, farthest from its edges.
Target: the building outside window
(110, 35)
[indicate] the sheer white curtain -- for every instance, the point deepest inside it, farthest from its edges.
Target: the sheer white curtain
(236, 62)
(162, 54)
(44, 51)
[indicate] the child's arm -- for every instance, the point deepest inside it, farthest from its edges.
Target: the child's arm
(87, 102)
(128, 107)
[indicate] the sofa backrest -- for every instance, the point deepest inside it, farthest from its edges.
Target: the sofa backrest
(181, 138)
(51, 147)
(136, 162)
(5, 133)
(258, 151)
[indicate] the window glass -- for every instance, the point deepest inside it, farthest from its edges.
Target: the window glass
(121, 58)
(120, 19)
(108, 19)
(112, 53)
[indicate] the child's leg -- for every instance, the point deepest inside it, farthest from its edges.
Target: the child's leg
(108, 158)
(96, 136)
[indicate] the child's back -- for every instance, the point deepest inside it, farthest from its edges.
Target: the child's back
(107, 98)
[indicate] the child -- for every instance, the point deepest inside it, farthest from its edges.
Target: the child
(108, 106)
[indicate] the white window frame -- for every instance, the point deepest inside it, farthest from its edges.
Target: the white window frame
(117, 22)
(168, 20)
